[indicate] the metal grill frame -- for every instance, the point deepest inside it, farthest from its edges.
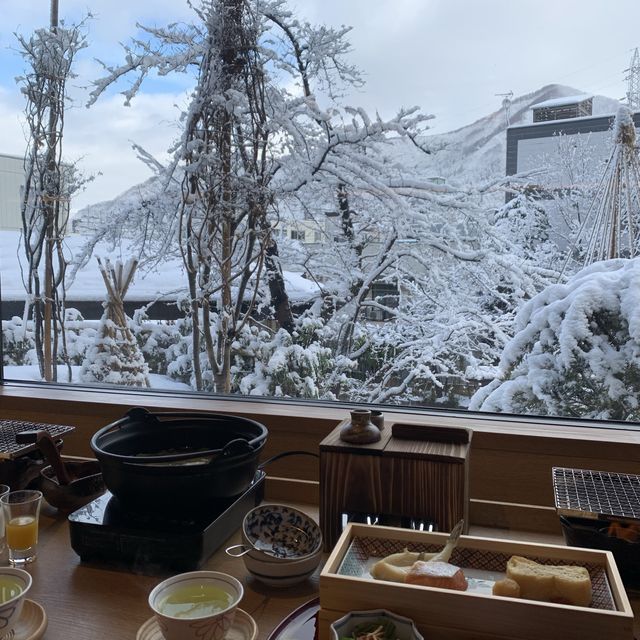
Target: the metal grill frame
(584, 493)
(10, 449)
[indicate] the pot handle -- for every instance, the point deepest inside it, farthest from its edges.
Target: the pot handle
(234, 448)
(231, 551)
(140, 414)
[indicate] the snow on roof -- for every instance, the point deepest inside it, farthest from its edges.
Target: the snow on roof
(560, 102)
(563, 122)
(166, 282)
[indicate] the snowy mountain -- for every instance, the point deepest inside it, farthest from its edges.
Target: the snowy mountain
(477, 151)
(473, 153)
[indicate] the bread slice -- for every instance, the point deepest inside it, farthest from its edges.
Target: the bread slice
(549, 583)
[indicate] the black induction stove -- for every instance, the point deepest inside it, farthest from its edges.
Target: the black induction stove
(105, 531)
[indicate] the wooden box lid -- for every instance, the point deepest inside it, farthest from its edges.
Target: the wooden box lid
(440, 444)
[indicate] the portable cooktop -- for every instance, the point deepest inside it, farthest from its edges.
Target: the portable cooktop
(105, 531)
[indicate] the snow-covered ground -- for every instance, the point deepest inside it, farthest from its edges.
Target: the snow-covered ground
(32, 373)
(165, 282)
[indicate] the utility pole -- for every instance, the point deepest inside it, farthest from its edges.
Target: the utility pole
(51, 204)
(633, 80)
(54, 15)
(506, 105)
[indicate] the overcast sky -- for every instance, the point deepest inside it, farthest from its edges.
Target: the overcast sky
(450, 57)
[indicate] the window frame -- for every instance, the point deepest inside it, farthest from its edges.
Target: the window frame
(510, 464)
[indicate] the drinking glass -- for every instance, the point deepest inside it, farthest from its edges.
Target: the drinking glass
(4, 489)
(21, 510)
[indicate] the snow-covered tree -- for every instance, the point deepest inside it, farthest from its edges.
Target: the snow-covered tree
(49, 55)
(115, 357)
(576, 351)
(247, 142)
(258, 151)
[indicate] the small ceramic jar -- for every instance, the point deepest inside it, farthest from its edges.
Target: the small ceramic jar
(360, 430)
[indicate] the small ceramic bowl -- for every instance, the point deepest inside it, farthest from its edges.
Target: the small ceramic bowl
(405, 629)
(11, 609)
(277, 533)
(213, 626)
(282, 574)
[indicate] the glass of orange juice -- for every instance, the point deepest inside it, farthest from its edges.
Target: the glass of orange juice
(4, 488)
(21, 510)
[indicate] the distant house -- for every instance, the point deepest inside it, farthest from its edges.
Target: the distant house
(563, 108)
(305, 231)
(11, 187)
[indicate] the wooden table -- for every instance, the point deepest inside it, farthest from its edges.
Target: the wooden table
(95, 602)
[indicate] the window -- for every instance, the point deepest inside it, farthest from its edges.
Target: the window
(384, 298)
(305, 236)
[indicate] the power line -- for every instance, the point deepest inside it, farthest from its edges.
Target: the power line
(633, 80)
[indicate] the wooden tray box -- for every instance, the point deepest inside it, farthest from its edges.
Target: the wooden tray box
(442, 614)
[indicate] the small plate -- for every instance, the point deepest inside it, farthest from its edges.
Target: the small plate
(300, 624)
(243, 628)
(32, 623)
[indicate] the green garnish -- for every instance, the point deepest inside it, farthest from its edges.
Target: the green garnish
(377, 630)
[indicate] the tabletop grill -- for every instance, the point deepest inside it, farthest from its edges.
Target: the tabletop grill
(591, 504)
(10, 449)
(582, 493)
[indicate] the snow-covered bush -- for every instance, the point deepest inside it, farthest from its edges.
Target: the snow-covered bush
(79, 334)
(16, 343)
(113, 359)
(19, 346)
(156, 339)
(576, 351)
(525, 223)
(283, 365)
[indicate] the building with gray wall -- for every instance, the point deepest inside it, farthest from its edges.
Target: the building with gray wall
(530, 146)
(11, 182)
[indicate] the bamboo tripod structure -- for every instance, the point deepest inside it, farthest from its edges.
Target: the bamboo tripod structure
(611, 227)
(117, 281)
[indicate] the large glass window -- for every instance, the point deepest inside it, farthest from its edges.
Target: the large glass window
(251, 203)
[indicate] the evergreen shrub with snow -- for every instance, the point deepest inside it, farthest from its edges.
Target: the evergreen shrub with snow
(156, 339)
(576, 351)
(284, 365)
(16, 343)
(114, 357)
(80, 334)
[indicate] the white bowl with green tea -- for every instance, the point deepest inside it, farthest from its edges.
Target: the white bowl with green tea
(196, 605)
(14, 585)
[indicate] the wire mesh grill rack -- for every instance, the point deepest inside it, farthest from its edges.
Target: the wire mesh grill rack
(10, 449)
(596, 494)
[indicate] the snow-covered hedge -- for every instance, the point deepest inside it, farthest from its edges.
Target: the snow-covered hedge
(576, 351)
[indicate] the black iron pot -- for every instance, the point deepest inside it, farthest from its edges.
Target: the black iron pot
(155, 461)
